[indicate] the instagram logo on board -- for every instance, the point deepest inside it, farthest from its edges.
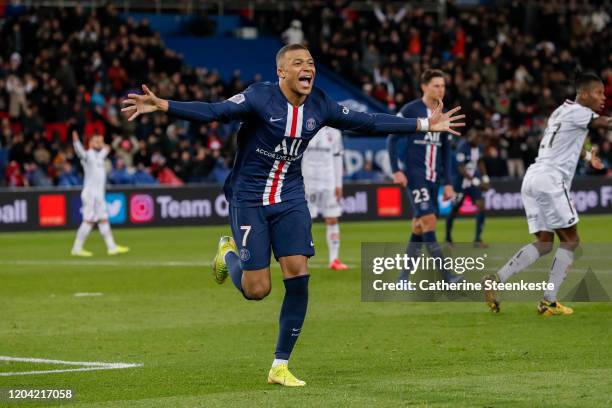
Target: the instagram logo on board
(142, 208)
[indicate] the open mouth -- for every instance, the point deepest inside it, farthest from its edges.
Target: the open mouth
(305, 80)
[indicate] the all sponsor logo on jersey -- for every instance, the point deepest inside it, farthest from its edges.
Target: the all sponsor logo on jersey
(291, 150)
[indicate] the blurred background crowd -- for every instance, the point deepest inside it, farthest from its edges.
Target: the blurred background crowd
(68, 69)
(509, 65)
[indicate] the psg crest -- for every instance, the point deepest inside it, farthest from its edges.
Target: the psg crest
(245, 255)
(310, 124)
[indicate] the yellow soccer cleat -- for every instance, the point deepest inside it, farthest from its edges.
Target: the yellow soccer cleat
(82, 253)
(118, 250)
(491, 297)
(219, 268)
(281, 375)
(546, 308)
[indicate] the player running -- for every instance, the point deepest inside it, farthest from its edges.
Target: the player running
(322, 171)
(546, 186)
(471, 180)
(92, 196)
(265, 189)
(426, 165)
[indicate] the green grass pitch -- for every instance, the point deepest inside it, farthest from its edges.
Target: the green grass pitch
(203, 345)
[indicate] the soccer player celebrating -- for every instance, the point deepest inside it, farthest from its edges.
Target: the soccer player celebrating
(92, 196)
(268, 210)
(545, 191)
(471, 180)
(426, 166)
(322, 171)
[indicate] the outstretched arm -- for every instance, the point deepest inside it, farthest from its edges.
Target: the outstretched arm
(342, 117)
(601, 122)
(78, 146)
(237, 107)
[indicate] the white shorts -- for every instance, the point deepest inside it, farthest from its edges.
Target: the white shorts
(323, 201)
(547, 202)
(94, 208)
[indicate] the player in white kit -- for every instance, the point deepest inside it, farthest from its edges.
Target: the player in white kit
(322, 171)
(92, 196)
(546, 186)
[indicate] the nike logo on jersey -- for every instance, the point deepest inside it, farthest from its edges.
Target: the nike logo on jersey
(275, 119)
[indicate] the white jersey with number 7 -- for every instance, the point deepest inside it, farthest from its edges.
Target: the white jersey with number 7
(563, 139)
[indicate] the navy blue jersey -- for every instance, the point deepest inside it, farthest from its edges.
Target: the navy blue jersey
(427, 156)
(274, 135)
(469, 156)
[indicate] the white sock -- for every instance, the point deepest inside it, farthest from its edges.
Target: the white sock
(521, 260)
(81, 236)
(278, 361)
(105, 230)
(333, 241)
(563, 260)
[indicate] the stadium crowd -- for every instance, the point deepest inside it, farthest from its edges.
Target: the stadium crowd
(509, 64)
(68, 69)
(65, 69)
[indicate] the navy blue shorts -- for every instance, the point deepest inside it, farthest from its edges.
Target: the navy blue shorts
(284, 228)
(423, 197)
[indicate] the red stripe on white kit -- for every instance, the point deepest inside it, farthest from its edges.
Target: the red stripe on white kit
(276, 177)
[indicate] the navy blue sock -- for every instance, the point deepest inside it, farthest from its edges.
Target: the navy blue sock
(435, 251)
(414, 245)
(412, 250)
(292, 315)
(480, 220)
(450, 219)
(235, 271)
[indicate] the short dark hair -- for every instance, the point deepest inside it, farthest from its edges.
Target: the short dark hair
(287, 48)
(583, 79)
(430, 74)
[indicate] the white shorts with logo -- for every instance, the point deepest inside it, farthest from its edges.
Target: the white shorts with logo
(323, 201)
(547, 201)
(94, 207)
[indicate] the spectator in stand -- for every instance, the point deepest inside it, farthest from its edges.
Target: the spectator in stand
(68, 68)
(503, 61)
(515, 144)
(294, 34)
(142, 176)
(68, 176)
(120, 175)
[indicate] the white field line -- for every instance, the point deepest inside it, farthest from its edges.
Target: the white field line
(85, 365)
(187, 264)
(88, 294)
(353, 264)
